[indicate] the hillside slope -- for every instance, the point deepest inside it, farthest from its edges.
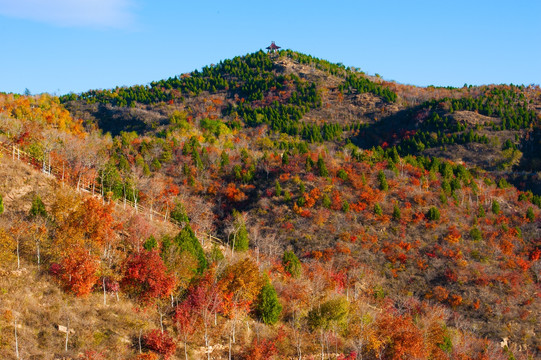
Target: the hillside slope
(334, 191)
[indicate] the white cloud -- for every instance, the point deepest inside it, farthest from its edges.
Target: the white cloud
(72, 13)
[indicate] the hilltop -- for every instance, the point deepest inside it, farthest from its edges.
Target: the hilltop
(492, 127)
(381, 217)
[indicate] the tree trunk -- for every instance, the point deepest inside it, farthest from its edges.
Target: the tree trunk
(229, 347)
(38, 254)
(207, 342)
(67, 335)
(104, 293)
(16, 341)
(18, 256)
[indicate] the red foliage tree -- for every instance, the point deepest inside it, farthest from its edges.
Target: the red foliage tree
(145, 276)
(78, 271)
(404, 339)
(261, 350)
(160, 342)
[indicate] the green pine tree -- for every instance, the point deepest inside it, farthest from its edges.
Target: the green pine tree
(150, 243)
(396, 212)
(179, 214)
(433, 214)
(38, 207)
(216, 254)
(268, 306)
(326, 201)
(495, 207)
(285, 159)
(322, 167)
(241, 241)
(278, 188)
(481, 211)
(529, 213)
(382, 181)
(1, 204)
(224, 159)
(187, 241)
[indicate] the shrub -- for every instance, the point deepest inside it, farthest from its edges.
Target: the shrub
(160, 343)
(382, 181)
(433, 214)
(241, 242)
(495, 207)
(38, 207)
(331, 312)
(150, 243)
(396, 212)
(529, 214)
(476, 234)
(278, 188)
(292, 264)
(326, 201)
(481, 211)
(322, 167)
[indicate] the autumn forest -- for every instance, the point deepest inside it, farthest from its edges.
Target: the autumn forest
(271, 206)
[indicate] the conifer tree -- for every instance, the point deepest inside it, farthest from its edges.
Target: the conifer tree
(495, 207)
(322, 167)
(268, 306)
(529, 213)
(179, 214)
(396, 212)
(326, 201)
(1, 204)
(240, 240)
(433, 214)
(382, 181)
(278, 188)
(38, 207)
(187, 241)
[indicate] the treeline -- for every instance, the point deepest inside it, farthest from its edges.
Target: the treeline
(122, 96)
(508, 104)
(363, 85)
(250, 76)
(437, 131)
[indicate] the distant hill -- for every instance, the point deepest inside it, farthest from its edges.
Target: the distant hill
(492, 127)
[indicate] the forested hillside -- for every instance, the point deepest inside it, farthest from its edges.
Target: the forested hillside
(358, 218)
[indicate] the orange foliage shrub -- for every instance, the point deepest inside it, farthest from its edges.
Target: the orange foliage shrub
(453, 236)
(455, 300)
(234, 194)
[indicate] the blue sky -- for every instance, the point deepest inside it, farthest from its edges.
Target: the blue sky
(58, 46)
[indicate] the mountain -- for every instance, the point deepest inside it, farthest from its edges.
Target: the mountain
(358, 218)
